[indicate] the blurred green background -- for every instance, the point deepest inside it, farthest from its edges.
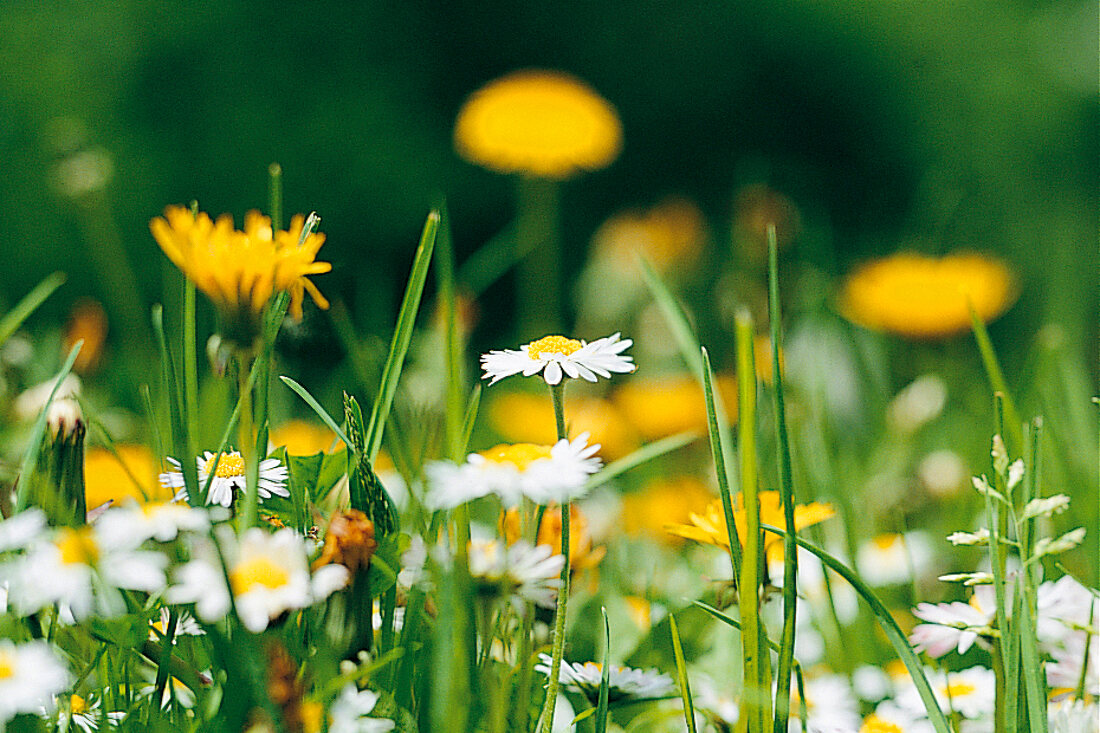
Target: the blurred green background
(938, 126)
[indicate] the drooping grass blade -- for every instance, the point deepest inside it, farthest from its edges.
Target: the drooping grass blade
(14, 318)
(681, 674)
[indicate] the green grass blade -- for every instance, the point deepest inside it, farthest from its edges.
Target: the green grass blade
(689, 349)
(893, 632)
(468, 421)
(756, 700)
(177, 413)
(646, 453)
(786, 493)
(1031, 662)
(681, 674)
(14, 318)
(996, 376)
(325, 417)
(406, 319)
(190, 366)
(485, 266)
(30, 454)
(605, 679)
(718, 453)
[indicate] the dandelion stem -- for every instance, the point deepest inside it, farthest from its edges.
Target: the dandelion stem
(246, 436)
(557, 394)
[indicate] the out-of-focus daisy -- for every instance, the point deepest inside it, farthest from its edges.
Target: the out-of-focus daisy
(1065, 609)
(969, 692)
(660, 406)
(1073, 716)
(124, 472)
(917, 404)
(829, 704)
(922, 297)
(542, 473)
(87, 713)
(943, 473)
(241, 270)
(710, 526)
(60, 566)
(186, 625)
(539, 123)
(131, 524)
(890, 718)
(556, 356)
(268, 574)
(888, 559)
(229, 478)
(33, 400)
(518, 572)
(31, 677)
(1064, 673)
(954, 625)
(350, 710)
(624, 683)
(716, 700)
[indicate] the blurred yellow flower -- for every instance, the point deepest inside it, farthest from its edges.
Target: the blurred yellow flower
(545, 124)
(661, 406)
(922, 297)
(525, 417)
(670, 234)
(582, 554)
(648, 512)
(241, 270)
(303, 438)
(132, 474)
(710, 526)
(87, 323)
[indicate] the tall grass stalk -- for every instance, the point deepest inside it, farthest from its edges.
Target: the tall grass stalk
(756, 706)
(718, 455)
(786, 493)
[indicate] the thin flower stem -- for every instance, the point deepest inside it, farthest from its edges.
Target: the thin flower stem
(557, 394)
(246, 437)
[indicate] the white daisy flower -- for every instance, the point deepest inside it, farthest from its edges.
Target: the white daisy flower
(31, 676)
(1073, 716)
(229, 478)
(349, 711)
(624, 683)
(268, 572)
(544, 474)
(1064, 673)
(969, 692)
(954, 625)
(558, 355)
(889, 559)
(890, 718)
(86, 714)
(519, 571)
(186, 625)
(830, 706)
(131, 524)
(21, 529)
(717, 700)
(60, 567)
(1065, 609)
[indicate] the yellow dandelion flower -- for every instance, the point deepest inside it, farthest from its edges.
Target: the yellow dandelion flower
(661, 406)
(545, 124)
(132, 474)
(303, 438)
(710, 526)
(241, 270)
(649, 511)
(525, 417)
(922, 297)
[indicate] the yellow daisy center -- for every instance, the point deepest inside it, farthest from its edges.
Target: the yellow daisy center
(875, 724)
(230, 465)
(7, 665)
(959, 689)
(553, 345)
(520, 455)
(77, 546)
(885, 541)
(78, 705)
(255, 571)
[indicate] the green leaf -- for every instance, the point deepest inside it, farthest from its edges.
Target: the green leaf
(681, 675)
(14, 318)
(402, 335)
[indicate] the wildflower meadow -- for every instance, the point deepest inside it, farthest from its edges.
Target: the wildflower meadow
(689, 478)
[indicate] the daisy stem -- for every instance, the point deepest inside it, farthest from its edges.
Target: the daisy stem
(557, 394)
